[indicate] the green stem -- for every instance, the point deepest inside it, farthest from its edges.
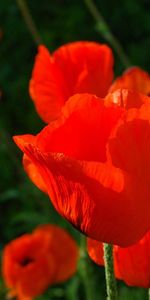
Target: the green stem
(109, 273)
(149, 294)
(105, 31)
(86, 271)
(29, 21)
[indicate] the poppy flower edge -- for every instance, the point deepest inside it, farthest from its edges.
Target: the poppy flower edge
(77, 67)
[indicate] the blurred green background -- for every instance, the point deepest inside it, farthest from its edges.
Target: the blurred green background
(22, 205)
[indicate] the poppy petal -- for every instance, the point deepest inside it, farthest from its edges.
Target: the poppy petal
(134, 79)
(83, 129)
(131, 264)
(96, 253)
(37, 258)
(47, 87)
(33, 173)
(86, 193)
(77, 67)
(80, 186)
(65, 265)
(126, 98)
(134, 263)
(129, 144)
(41, 272)
(87, 65)
(22, 260)
(82, 116)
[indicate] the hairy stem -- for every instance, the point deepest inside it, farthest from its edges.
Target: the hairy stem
(109, 273)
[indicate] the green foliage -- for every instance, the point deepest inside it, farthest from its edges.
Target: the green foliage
(22, 205)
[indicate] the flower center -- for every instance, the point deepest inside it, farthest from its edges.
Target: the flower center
(26, 261)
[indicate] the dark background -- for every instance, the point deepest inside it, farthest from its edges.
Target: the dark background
(22, 205)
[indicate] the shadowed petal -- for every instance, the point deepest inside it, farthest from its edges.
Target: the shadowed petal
(129, 144)
(33, 173)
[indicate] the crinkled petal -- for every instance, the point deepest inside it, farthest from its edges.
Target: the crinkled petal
(83, 129)
(96, 198)
(102, 201)
(81, 132)
(126, 98)
(87, 65)
(134, 79)
(77, 67)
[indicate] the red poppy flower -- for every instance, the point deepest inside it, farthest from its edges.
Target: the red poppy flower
(78, 67)
(94, 162)
(34, 261)
(134, 79)
(132, 264)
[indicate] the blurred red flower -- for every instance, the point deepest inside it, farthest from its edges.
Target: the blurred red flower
(35, 261)
(132, 264)
(94, 164)
(78, 67)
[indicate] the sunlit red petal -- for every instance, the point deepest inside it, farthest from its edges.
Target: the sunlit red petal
(87, 66)
(102, 201)
(79, 67)
(47, 87)
(134, 79)
(83, 130)
(126, 98)
(81, 134)
(94, 197)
